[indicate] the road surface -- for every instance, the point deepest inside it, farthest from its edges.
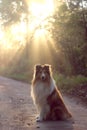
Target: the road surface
(17, 111)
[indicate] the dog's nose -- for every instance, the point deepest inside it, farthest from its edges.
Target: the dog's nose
(43, 77)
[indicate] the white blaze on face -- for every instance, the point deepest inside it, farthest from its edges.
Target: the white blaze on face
(43, 75)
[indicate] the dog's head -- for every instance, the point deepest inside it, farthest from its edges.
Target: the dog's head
(42, 72)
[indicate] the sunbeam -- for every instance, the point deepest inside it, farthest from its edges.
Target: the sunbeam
(32, 29)
(41, 11)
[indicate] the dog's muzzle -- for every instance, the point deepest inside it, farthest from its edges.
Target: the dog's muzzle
(43, 77)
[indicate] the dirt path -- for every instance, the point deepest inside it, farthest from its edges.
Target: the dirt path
(17, 111)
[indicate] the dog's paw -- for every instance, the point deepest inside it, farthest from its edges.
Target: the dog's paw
(39, 119)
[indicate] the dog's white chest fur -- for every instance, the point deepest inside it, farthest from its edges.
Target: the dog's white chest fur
(41, 90)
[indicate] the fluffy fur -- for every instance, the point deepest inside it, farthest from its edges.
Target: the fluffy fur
(46, 96)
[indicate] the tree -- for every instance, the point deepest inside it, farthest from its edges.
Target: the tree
(11, 10)
(79, 5)
(68, 33)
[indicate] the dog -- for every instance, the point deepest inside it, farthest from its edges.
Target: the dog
(46, 96)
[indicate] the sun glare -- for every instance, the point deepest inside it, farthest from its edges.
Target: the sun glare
(13, 36)
(39, 11)
(36, 24)
(19, 32)
(42, 9)
(40, 32)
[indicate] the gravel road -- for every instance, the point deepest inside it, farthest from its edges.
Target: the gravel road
(17, 111)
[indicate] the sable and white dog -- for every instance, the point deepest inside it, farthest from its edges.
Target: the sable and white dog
(46, 96)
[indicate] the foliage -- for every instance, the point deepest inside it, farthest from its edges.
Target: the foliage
(69, 84)
(11, 10)
(68, 33)
(69, 57)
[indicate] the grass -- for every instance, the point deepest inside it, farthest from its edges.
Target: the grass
(68, 84)
(20, 76)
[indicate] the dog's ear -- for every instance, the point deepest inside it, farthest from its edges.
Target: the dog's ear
(47, 67)
(50, 68)
(37, 67)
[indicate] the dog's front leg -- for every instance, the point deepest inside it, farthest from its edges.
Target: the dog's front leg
(43, 113)
(41, 116)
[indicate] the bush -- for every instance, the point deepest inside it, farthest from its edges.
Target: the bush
(68, 84)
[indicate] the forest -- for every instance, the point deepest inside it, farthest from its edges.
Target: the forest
(59, 39)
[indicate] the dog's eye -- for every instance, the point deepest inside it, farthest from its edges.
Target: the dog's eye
(37, 72)
(40, 72)
(47, 72)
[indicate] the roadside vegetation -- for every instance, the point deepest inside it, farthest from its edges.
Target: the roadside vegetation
(67, 53)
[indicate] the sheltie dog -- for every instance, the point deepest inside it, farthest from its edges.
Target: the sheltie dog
(46, 96)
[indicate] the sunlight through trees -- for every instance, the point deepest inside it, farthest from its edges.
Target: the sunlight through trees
(47, 31)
